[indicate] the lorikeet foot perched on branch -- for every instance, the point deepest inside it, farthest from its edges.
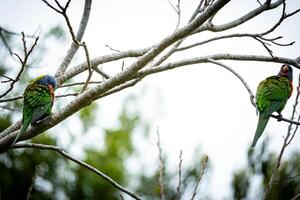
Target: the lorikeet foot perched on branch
(38, 101)
(271, 96)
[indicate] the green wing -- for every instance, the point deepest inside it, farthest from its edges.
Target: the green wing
(37, 104)
(272, 95)
(37, 101)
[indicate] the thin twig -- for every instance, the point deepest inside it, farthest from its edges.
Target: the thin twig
(119, 88)
(7, 77)
(60, 151)
(76, 39)
(204, 163)
(178, 189)
(178, 43)
(33, 178)
(238, 76)
(10, 109)
(88, 61)
(63, 11)
(67, 95)
(22, 61)
(79, 83)
(171, 4)
(121, 197)
(113, 49)
(161, 168)
(296, 197)
(21, 97)
(259, 2)
(178, 15)
(102, 73)
(287, 179)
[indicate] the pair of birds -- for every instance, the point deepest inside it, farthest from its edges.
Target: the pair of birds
(271, 96)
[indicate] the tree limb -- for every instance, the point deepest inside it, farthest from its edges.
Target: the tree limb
(63, 153)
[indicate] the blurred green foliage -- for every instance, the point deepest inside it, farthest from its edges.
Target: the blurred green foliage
(59, 178)
(261, 164)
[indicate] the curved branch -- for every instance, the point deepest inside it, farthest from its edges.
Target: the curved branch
(241, 20)
(205, 59)
(238, 76)
(60, 151)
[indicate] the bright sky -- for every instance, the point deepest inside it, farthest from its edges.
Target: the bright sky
(200, 106)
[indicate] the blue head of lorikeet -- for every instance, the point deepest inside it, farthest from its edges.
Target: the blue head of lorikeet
(48, 81)
(271, 96)
(38, 101)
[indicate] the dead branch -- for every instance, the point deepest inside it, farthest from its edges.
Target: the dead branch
(23, 63)
(63, 153)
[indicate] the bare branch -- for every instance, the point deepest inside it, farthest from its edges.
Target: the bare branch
(296, 196)
(23, 63)
(57, 96)
(241, 20)
(63, 153)
(204, 163)
(8, 78)
(63, 11)
(178, 43)
(67, 95)
(178, 189)
(174, 8)
(238, 76)
(102, 73)
(79, 83)
(178, 15)
(88, 61)
(10, 109)
(74, 47)
(119, 88)
(213, 59)
(100, 60)
(161, 168)
(259, 2)
(33, 178)
(116, 50)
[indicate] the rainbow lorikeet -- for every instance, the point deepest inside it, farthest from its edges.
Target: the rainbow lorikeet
(38, 101)
(271, 96)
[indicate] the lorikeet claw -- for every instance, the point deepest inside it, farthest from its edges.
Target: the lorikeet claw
(279, 117)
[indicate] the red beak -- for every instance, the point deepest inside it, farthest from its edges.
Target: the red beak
(51, 90)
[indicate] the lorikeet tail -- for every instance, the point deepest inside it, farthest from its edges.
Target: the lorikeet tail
(25, 125)
(261, 125)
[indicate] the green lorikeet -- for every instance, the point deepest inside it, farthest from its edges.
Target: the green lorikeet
(38, 101)
(271, 96)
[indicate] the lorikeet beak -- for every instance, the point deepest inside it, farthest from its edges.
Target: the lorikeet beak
(51, 90)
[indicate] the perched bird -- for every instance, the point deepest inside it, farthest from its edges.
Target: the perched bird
(271, 96)
(38, 101)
